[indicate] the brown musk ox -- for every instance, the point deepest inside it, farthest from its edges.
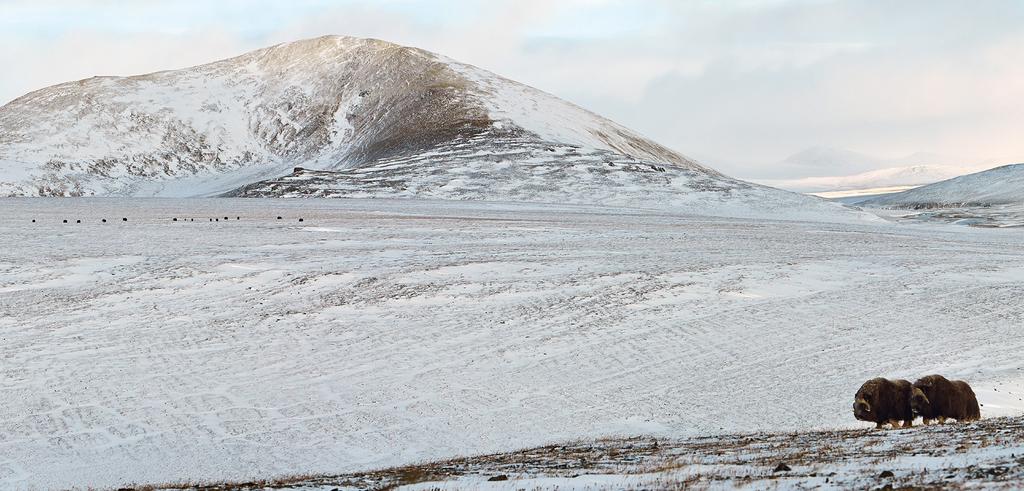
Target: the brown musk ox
(936, 398)
(883, 401)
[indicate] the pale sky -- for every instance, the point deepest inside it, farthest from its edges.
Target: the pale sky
(739, 85)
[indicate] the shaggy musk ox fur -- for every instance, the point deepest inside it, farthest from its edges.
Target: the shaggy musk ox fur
(883, 401)
(937, 398)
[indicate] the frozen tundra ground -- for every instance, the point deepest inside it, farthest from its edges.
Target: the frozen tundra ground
(381, 333)
(988, 454)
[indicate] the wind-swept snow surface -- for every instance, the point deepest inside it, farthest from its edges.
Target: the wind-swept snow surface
(533, 171)
(385, 332)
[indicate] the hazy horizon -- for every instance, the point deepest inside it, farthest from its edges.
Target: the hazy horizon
(740, 86)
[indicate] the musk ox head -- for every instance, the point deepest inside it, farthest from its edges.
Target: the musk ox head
(862, 409)
(865, 400)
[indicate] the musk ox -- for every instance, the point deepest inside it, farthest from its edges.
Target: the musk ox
(883, 401)
(937, 398)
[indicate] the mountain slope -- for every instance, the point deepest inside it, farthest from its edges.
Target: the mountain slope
(908, 176)
(1002, 185)
(328, 103)
(371, 118)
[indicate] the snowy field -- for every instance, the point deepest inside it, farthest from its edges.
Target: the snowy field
(385, 332)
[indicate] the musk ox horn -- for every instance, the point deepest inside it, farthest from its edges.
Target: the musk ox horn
(919, 393)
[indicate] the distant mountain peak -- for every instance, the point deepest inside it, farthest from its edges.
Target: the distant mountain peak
(998, 186)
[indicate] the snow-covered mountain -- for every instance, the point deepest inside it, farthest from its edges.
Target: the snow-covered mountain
(890, 177)
(327, 103)
(824, 161)
(364, 117)
(832, 162)
(999, 186)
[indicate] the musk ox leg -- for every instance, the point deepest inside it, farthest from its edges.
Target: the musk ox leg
(908, 423)
(942, 420)
(895, 424)
(926, 421)
(878, 426)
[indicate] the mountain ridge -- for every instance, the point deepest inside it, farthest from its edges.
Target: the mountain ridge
(190, 120)
(998, 186)
(372, 118)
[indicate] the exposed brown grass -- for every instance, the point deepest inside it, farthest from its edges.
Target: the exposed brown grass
(750, 459)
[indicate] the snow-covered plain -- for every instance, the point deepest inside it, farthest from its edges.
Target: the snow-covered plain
(385, 332)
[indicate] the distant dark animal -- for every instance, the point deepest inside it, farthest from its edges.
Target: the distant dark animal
(124, 219)
(936, 398)
(883, 401)
(104, 220)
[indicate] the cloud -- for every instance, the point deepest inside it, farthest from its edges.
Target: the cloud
(745, 82)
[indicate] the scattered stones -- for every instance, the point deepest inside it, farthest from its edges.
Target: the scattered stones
(782, 467)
